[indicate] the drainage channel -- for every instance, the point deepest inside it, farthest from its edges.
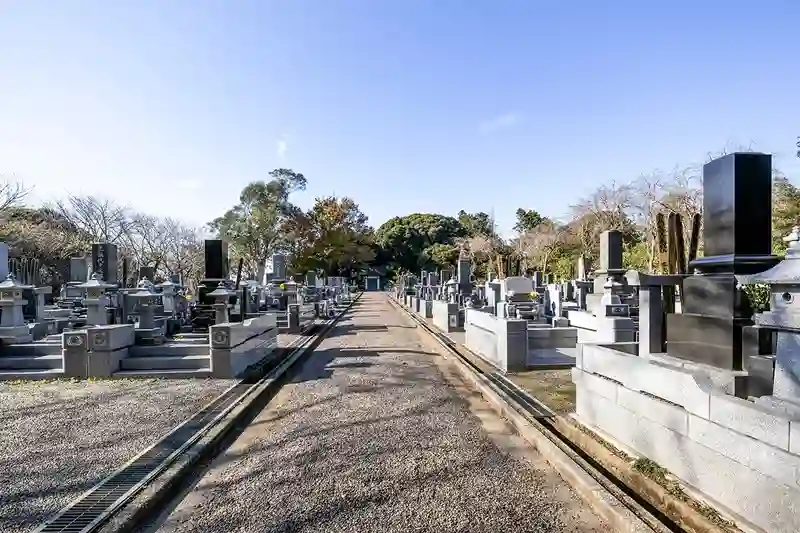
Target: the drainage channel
(91, 510)
(540, 417)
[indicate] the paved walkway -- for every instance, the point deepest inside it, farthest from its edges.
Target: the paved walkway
(376, 433)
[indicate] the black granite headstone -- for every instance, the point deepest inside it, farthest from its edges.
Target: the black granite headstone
(737, 213)
(147, 272)
(104, 261)
(216, 259)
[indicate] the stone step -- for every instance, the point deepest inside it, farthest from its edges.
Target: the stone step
(170, 362)
(31, 349)
(11, 375)
(200, 373)
(168, 349)
(32, 362)
(193, 340)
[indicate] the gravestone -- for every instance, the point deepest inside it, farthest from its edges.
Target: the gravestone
(737, 209)
(147, 272)
(78, 269)
(610, 259)
(581, 268)
(3, 260)
(216, 259)
(104, 261)
(279, 266)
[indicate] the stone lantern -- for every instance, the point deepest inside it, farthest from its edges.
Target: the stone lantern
(290, 290)
(146, 302)
(169, 291)
(96, 300)
(784, 317)
(451, 290)
(221, 296)
(12, 322)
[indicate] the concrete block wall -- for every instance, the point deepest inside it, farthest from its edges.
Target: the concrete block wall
(541, 338)
(585, 324)
(501, 342)
(236, 346)
(97, 350)
(740, 455)
(442, 316)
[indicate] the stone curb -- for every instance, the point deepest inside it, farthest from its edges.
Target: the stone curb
(137, 513)
(603, 502)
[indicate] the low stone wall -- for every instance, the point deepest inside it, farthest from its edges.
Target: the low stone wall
(741, 456)
(97, 350)
(547, 337)
(501, 342)
(445, 316)
(237, 346)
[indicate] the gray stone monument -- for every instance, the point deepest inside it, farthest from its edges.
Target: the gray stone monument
(3, 260)
(279, 266)
(105, 261)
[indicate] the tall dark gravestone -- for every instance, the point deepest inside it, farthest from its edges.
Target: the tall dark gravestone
(737, 236)
(147, 272)
(216, 259)
(105, 261)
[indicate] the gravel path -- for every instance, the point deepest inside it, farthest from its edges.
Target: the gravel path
(371, 435)
(59, 438)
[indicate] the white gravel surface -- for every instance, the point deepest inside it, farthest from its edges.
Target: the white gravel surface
(371, 436)
(59, 438)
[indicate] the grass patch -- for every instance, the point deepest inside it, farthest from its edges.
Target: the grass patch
(661, 475)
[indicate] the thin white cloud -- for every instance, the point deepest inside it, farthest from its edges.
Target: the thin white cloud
(282, 148)
(500, 122)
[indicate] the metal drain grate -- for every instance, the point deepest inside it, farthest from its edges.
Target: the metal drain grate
(96, 505)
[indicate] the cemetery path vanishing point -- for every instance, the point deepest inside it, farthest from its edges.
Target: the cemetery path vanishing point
(375, 433)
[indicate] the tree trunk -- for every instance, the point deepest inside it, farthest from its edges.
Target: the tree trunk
(262, 269)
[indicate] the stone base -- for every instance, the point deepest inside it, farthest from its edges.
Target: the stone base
(709, 340)
(15, 335)
(149, 337)
(547, 338)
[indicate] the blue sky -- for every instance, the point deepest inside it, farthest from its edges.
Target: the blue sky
(404, 105)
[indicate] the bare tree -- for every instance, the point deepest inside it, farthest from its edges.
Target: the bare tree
(538, 245)
(99, 220)
(11, 194)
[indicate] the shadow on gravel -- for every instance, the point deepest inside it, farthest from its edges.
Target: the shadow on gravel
(322, 363)
(350, 328)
